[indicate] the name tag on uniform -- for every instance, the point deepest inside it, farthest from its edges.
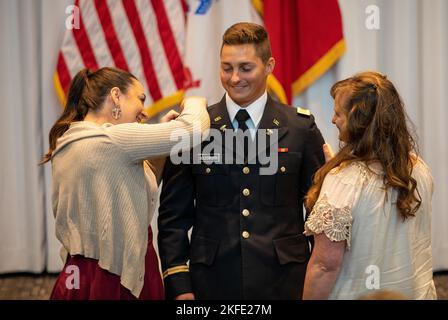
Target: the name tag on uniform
(209, 158)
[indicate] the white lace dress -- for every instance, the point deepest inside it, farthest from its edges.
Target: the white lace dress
(383, 252)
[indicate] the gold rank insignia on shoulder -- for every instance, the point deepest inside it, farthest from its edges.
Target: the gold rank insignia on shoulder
(303, 112)
(276, 122)
(217, 119)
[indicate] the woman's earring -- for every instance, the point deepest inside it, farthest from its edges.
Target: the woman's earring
(116, 112)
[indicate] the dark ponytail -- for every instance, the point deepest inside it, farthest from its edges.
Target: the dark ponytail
(88, 90)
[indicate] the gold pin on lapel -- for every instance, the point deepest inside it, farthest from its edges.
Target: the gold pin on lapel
(217, 118)
(276, 122)
(223, 127)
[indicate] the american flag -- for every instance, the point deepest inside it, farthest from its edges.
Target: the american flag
(144, 37)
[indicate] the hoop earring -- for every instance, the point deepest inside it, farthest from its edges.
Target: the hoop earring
(116, 112)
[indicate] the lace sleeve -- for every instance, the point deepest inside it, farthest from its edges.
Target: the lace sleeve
(335, 222)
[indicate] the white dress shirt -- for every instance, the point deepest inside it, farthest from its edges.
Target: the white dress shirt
(383, 251)
(255, 110)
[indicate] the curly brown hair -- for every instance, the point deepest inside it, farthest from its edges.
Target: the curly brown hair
(377, 130)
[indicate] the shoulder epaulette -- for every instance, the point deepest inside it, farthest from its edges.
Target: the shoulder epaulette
(303, 112)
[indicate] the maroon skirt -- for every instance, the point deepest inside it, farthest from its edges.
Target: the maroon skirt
(99, 284)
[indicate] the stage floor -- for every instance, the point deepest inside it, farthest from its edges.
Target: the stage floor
(38, 287)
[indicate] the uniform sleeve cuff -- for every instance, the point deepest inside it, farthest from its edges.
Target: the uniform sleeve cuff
(177, 283)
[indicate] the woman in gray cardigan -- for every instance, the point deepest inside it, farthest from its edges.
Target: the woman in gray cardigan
(105, 182)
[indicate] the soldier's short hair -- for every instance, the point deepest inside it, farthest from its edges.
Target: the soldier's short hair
(249, 33)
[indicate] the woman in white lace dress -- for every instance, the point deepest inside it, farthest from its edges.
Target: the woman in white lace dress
(371, 202)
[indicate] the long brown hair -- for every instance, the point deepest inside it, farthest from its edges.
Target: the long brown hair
(88, 91)
(376, 131)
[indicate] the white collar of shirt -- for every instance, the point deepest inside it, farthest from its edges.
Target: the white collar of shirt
(255, 110)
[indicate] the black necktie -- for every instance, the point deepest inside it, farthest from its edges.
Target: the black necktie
(241, 117)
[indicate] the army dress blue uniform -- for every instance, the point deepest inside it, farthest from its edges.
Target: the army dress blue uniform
(247, 239)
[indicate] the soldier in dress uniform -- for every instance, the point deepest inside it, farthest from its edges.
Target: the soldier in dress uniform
(247, 237)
